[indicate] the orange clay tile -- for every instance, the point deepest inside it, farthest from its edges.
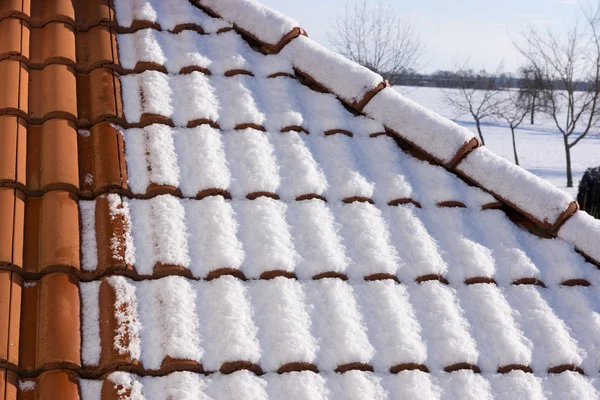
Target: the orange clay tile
(97, 96)
(52, 93)
(13, 145)
(8, 385)
(50, 323)
(18, 8)
(15, 38)
(92, 12)
(51, 233)
(51, 156)
(50, 384)
(14, 80)
(110, 236)
(52, 43)
(11, 285)
(12, 212)
(102, 159)
(43, 11)
(97, 47)
(110, 358)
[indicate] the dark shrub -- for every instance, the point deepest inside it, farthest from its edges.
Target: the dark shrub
(589, 192)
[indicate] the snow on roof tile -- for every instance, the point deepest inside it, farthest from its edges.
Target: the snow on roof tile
(210, 198)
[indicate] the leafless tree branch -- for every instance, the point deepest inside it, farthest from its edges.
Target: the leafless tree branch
(372, 35)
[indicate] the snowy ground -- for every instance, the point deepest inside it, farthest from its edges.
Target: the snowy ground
(540, 146)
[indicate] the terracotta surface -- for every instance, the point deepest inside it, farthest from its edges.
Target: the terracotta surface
(50, 160)
(54, 10)
(49, 384)
(8, 385)
(50, 324)
(14, 81)
(52, 93)
(15, 37)
(101, 160)
(52, 233)
(97, 47)
(12, 217)
(11, 285)
(96, 96)
(53, 43)
(13, 146)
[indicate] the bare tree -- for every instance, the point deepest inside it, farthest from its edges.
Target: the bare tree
(375, 37)
(513, 110)
(570, 64)
(476, 94)
(532, 89)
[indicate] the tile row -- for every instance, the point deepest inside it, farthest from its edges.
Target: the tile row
(352, 385)
(200, 161)
(264, 237)
(289, 165)
(56, 155)
(81, 15)
(170, 324)
(57, 91)
(58, 43)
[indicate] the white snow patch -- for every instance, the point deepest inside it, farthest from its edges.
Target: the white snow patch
(347, 79)
(265, 236)
(529, 193)
(26, 386)
(267, 25)
(316, 236)
(167, 15)
(89, 250)
(552, 343)
(337, 324)
(283, 323)
(159, 233)
(419, 251)
(226, 323)
(391, 323)
(355, 385)
(213, 243)
(168, 321)
(445, 329)
(252, 162)
(583, 231)
(90, 321)
(367, 240)
(439, 136)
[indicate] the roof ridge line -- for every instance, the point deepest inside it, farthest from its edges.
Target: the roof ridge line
(457, 149)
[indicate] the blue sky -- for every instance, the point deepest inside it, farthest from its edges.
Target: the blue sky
(478, 30)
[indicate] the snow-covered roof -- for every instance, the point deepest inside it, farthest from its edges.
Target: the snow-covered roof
(278, 223)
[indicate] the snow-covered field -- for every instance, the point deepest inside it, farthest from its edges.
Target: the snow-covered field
(540, 146)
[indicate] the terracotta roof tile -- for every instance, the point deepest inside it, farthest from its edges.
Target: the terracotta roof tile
(48, 384)
(51, 234)
(14, 79)
(11, 285)
(15, 34)
(97, 96)
(13, 149)
(53, 43)
(52, 93)
(12, 210)
(9, 384)
(50, 324)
